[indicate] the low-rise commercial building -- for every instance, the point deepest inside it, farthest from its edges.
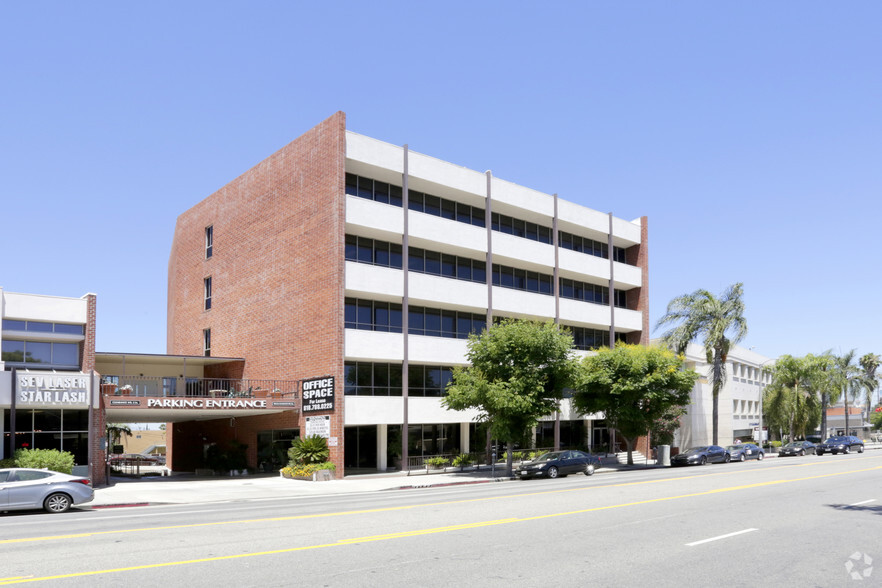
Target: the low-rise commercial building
(739, 404)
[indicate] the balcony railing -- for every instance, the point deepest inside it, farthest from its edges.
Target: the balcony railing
(198, 387)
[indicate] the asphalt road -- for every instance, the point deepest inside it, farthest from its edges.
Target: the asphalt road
(783, 522)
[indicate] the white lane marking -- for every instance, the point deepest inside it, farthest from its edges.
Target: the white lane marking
(863, 502)
(726, 536)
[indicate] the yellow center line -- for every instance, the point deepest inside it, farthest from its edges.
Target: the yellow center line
(422, 532)
(387, 509)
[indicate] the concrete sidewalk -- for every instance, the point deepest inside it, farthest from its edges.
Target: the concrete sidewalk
(188, 489)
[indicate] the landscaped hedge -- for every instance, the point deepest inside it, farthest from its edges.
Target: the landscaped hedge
(52, 459)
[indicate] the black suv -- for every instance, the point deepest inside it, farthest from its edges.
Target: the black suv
(840, 444)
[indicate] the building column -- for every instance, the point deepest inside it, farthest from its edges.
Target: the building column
(382, 444)
(405, 306)
(464, 437)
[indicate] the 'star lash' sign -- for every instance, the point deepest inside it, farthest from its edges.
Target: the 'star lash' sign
(318, 394)
(71, 390)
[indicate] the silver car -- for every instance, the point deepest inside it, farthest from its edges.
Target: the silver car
(24, 489)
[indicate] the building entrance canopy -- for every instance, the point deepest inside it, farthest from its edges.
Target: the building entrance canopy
(174, 388)
(168, 410)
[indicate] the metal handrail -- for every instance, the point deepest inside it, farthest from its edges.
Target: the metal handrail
(149, 386)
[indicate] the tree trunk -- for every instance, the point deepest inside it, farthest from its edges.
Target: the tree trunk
(509, 459)
(717, 385)
(823, 416)
(845, 396)
(488, 451)
(629, 442)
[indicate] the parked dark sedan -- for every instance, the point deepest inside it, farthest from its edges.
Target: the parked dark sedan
(701, 456)
(797, 448)
(558, 464)
(745, 451)
(840, 444)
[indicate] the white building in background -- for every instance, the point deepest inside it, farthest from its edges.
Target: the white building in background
(747, 376)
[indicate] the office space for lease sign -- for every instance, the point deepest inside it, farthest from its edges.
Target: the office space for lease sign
(318, 394)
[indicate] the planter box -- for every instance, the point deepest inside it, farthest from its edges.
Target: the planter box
(317, 476)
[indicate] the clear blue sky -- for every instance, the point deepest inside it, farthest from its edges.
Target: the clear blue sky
(748, 132)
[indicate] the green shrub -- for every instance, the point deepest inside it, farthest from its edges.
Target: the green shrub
(52, 459)
(462, 460)
(436, 462)
(308, 450)
(7, 463)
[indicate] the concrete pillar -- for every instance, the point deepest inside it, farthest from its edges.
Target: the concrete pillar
(382, 442)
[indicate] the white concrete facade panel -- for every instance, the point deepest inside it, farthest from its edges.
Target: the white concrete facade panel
(627, 276)
(440, 292)
(509, 198)
(374, 219)
(388, 410)
(523, 253)
(585, 314)
(376, 346)
(374, 153)
(436, 350)
(435, 171)
(517, 303)
(628, 320)
(583, 267)
(436, 233)
(374, 282)
(580, 220)
(44, 308)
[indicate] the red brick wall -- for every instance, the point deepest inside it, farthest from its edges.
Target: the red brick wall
(88, 359)
(97, 455)
(277, 270)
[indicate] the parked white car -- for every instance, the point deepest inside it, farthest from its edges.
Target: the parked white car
(25, 489)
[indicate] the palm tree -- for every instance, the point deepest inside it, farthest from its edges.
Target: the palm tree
(778, 407)
(701, 314)
(788, 376)
(825, 382)
(869, 364)
(114, 433)
(845, 376)
(795, 393)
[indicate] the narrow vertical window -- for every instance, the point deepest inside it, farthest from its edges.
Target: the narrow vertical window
(208, 293)
(206, 342)
(209, 241)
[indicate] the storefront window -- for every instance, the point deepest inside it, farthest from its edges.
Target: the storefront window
(65, 430)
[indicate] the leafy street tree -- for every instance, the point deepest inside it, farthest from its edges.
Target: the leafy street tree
(869, 380)
(719, 322)
(633, 386)
(876, 419)
(517, 375)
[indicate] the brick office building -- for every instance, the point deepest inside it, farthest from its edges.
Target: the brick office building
(344, 257)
